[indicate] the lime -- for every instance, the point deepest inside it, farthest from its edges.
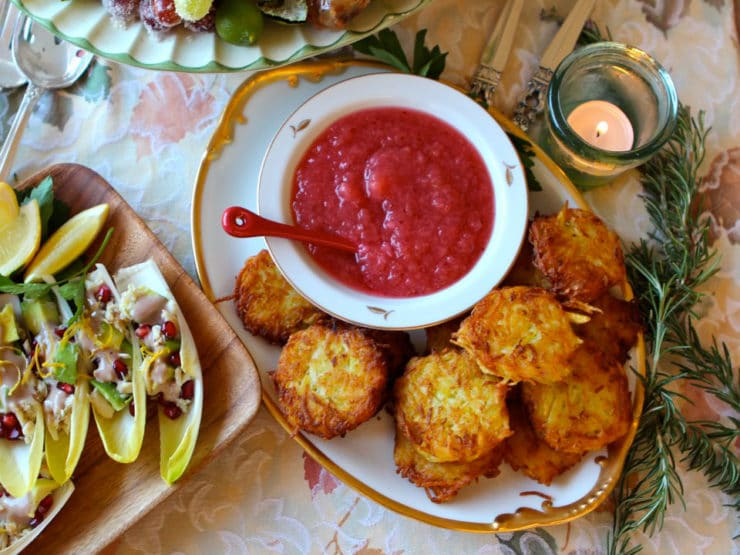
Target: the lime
(239, 22)
(20, 238)
(67, 243)
(8, 204)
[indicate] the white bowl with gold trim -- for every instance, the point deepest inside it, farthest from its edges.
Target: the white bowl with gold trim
(500, 159)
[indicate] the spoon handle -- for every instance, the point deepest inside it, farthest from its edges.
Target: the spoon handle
(240, 222)
(7, 153)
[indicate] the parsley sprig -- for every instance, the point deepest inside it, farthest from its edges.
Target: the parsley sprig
(386, 47)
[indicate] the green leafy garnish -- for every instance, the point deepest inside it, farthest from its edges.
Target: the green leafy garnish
(386, 47)
(65, 362)
(111, 394)
(527, 155)
(44, 195)
(71, 288)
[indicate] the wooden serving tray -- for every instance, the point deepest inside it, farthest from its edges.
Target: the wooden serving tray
(109, 497)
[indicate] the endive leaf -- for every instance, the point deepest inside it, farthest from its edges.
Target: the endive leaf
(41, 489)
(123, 434)
(20, 462)
(63, 453)
(177, 437)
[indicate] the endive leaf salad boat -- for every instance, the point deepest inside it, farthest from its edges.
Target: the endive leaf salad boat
(170, 364)
(57, 360)
(117, 392)
(23, 518)
(21, 413)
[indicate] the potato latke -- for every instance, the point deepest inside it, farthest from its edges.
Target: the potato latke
(614, 328)
(586, 412)
(519, 334)
(442, 481)
(580, 256)
(449, 409)
(267, 304)
(330, 378)
(524, 451)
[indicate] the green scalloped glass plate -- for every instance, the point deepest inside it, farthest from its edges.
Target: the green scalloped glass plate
(87, 24)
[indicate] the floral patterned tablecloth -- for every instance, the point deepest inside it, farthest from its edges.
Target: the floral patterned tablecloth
(146, 131)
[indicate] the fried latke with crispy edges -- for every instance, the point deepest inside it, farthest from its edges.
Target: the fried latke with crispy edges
(580, 256)
(587, 411)
(330, 378)
(613, 328)
(442, 481)
(397, 347)
(524, 271)
(267, 304)
(449, 409)
(439, 337)
(519, 334)
(524, 451)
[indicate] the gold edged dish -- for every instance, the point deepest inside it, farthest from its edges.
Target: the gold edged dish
(363, 459)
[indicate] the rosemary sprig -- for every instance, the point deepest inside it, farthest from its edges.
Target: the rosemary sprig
(666, 271)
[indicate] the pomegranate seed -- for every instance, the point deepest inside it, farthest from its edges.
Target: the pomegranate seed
(143, 330)
(188, 390)
(35, 521)
(9, 420)
(45, 504)
(14, 433)
(174, 359)
(103, 294)
(68, 388)
(131, 409)
(120, 367)
(171, 410)
(169, 329)
(59, 331)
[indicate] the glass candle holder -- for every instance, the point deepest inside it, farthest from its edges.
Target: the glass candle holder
(610, 107)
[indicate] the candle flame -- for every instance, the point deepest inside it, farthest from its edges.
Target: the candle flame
(601, 128)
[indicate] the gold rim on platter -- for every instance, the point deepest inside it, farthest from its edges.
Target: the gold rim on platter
(610, 466)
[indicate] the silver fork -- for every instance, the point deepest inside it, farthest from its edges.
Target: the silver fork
(533, 100)
(487, 76)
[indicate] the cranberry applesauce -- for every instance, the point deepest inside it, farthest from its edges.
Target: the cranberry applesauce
(408, 188)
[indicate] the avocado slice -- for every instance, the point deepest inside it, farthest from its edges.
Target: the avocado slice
(40, 311)
(8, 326)
(65, 362)
(111, 394)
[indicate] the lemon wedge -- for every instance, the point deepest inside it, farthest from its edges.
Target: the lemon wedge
(67, 243)
(8, 204)
(20, 238)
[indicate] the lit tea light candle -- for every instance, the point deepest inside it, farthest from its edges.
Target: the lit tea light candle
(603, 125)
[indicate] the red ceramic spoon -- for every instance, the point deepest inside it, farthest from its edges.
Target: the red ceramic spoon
(240, 222)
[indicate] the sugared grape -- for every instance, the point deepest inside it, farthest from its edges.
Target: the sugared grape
(122, 10)
(192, 10)
(158, 15)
